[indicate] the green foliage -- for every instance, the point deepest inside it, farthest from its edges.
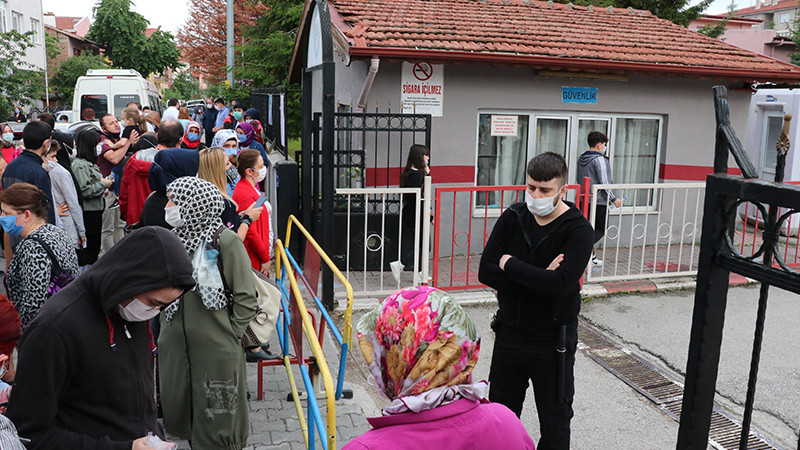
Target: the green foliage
(51, 46)
(63, 82)
(717, 29)
(677, 11)
(21, 82)
(122, 33)
(268, 49)
(184, 86)
(794, 35)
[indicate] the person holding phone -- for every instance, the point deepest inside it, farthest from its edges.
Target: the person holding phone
(259, 239)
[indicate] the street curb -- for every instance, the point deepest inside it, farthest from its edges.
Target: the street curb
(477, 297)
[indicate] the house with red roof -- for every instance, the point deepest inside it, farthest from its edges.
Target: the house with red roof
(506, 80)
(775, 15)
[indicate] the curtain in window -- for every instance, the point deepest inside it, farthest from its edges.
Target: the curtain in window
(634, 159)
(501, 159)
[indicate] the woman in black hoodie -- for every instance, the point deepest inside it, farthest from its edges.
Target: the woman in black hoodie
(85, 372)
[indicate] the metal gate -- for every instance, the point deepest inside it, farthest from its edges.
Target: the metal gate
(718, 257)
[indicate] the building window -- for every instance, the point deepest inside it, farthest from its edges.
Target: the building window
(503, 152)
(16, 21)
(3, 26)
(35, 31)
(785, 17)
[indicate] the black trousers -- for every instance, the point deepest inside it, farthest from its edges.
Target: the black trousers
(515, 362)
(600, 222)
(93, 221)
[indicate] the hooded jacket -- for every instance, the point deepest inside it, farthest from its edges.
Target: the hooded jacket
(597, 167)
(85, 375)
(533, 300)
(168, 165)
(135, 186)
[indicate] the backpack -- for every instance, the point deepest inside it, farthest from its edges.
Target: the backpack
(60, 278)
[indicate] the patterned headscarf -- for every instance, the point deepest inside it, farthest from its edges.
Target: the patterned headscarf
(201, 205)
(224, 136)
(420, 345)
(249, 133)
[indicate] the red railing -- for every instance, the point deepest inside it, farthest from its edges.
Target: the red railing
(476, 219)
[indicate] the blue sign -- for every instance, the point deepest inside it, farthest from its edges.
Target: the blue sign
(578, 95)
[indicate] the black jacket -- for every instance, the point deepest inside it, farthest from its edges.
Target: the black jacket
(534, 300)
(85, 375)
(27, 168)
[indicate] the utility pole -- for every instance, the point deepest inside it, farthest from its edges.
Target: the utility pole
(230, 43)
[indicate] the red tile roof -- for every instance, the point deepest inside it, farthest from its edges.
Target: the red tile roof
(67, 23)
(543, 34)
(780, 4)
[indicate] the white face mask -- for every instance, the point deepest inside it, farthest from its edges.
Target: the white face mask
(262, 173)
(540, 206)
(136, 311)
(8, 137)
(172, 215)
(49, 165)
(99, 149)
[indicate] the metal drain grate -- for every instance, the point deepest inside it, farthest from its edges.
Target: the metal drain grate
(662, 390)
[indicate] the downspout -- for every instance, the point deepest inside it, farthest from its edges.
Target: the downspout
(373, 70)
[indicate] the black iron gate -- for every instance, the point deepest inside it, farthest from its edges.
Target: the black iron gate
(370, 150)
(718, 257)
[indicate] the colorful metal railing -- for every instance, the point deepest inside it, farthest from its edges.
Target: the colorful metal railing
(295, 321)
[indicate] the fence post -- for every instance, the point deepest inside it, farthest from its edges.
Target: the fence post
(585, 196)
(426, 229)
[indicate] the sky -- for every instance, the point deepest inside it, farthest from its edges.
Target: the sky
(169, 14)
(721, 6)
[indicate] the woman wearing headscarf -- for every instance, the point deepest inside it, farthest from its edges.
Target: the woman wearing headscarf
(191, 136)
(202, 366)
(247, 139)
(253, 117)
(168, 165)
(420, 348)
(229, 142)
(153, 121)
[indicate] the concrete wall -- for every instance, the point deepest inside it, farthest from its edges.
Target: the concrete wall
(685, 104)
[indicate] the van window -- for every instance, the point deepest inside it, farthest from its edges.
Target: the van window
(93, 106)
(121, 100)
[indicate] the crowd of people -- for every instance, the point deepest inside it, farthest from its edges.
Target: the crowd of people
(128, 245)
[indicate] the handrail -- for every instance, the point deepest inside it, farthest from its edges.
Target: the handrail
(348, 328)
(316, 350)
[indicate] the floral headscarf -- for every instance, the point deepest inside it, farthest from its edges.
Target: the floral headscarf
(249, 133)
(224, 136)
(420, 347)
(201, 205)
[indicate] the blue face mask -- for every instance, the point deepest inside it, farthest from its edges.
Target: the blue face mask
(242, 137)
(9, 224)
(193, 137)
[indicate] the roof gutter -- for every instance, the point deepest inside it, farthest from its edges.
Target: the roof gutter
(374, 65)
(574, 63)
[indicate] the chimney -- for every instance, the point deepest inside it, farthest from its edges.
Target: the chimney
(49, 19)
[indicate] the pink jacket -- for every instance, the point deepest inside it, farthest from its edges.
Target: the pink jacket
(463, 424)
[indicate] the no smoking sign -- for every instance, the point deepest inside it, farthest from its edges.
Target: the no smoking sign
(422, 71)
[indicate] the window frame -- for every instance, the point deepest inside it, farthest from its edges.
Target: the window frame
(35, 34)
(3, 14)
(16, 21)
(572, 133)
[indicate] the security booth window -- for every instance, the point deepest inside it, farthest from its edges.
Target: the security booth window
(93, 106)
(502, 150)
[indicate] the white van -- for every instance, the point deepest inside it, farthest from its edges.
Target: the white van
(103, 91)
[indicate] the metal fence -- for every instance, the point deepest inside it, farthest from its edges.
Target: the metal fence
(654, 234)
(372, 224)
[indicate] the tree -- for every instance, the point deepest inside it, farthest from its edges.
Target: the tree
(267, 52)
(203, 38)
(717, 29)
(673, 10)
(63, 82)
(794, 35)
(21, 82)
(184, 86)
(122, 33)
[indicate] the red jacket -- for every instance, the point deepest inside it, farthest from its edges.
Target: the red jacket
(134, 189)
(257, 240)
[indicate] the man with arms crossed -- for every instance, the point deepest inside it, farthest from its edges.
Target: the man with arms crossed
(535, 258)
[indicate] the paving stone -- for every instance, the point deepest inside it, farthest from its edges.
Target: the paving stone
(286, 436)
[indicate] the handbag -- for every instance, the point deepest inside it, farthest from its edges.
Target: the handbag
(60, 278)
(268, 297)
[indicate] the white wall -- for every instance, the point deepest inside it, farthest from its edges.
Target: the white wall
(29, 9)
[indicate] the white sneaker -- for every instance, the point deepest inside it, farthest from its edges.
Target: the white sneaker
(397, 268)
(597, 262)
